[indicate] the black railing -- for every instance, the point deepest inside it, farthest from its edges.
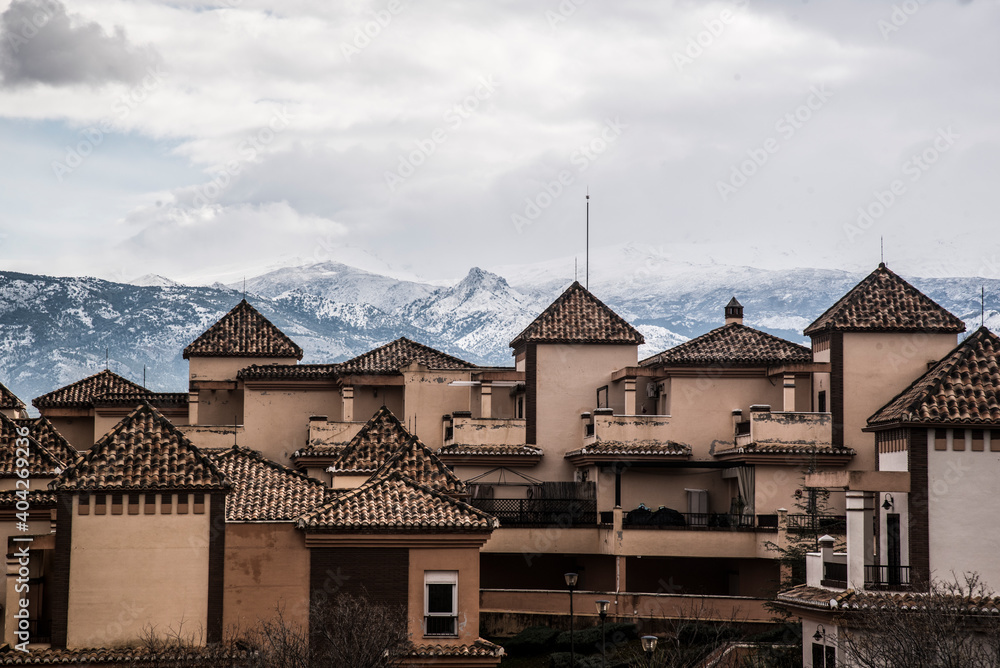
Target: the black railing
(891, 578)
(805, 523)
(834, 574)
(540, 512)
(666, 518)
(441, 625)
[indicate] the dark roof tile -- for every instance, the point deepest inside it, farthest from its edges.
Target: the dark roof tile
(81, 394)
(397, 355)
(264, 491)
(243, 332)
(884, 302)
(577, 316)
(8, 401)
(733, 345)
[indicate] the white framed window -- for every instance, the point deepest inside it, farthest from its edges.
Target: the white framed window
(440, 603)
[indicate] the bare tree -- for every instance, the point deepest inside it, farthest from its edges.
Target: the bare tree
(357, 632)
(954, 625)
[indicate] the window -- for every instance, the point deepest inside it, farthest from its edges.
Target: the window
(821, 408)
(602, 397)
(823, 656)
(440, 603)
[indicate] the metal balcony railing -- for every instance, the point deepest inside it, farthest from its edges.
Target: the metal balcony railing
(889, 578)
(834, 574)
(540, 512)
(665, 518)
(806, 523)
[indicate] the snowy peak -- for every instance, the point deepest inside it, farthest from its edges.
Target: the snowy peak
(154, 280)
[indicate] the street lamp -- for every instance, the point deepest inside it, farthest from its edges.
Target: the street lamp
(571, 579)
(602, 611)
(649, 646)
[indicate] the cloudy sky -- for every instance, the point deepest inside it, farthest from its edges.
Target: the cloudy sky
(205, 140)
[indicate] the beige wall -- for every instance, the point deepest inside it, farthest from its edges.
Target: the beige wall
(130, 572)
(276, 422)
(267, 567)
(702, 407)
(567, 380)
(466, 562)
(226, 368)
(663, 487)
(963, 486)
(369, 398)
(877, 367)
(478, 431)
(428, 397)
(220, 407)
(79, 431)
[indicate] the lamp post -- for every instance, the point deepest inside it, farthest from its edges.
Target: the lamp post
(649, 646)
(602, 611)
(571, 579)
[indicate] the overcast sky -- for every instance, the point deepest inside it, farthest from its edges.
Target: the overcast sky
(204, 140)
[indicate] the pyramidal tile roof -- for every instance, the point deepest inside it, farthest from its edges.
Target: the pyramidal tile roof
(82, 393)
(884, 302)
(397, 355)
(374, 444)
(41, 462)
(265, 491)
(243, 332)
(577, 316)
(964, 387)
(8, 400)
(143, 451)
(733, 345)
(288, 371)
(395, 502)
(49, 438)
(416, 461)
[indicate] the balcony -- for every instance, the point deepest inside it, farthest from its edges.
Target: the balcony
(441, 625)
(625, 429)
(540, 512)
(461, 428)
(666, 518)
(780, 428)
(817, 524)
(887, 578)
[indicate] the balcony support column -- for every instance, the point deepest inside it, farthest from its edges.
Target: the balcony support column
(860, 537)
(630, 396)
(486, 400)
(193, 407)
(347, 396)
(789, 396)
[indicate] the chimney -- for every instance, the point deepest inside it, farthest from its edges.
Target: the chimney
(734, 312)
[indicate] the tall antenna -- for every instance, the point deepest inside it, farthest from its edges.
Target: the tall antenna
(881, 244)
(144, 376)
(588, 240)
(576, 270)
(244, 288)
(982, 306)
(107, 358)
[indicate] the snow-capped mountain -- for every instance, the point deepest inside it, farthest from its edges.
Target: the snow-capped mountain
(57, 330)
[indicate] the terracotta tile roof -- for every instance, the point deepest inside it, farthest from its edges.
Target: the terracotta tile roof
(633, 449)
(378, 440)
(264, 491)
(814, 597)
(36, 497)
(492, 450)
(884, 302)
(395, 502)
(288, 371)
(8, 401)
(577, 316)
(415, 461)
(144, 451)
(733, 345)
(82, 393)
(49, 438)
(839, 599)
(787, 449)
(41, 462)
(480, 647)
(397, 355)
(321, 450)
(99, 656)
(243, 332)
(156, 399)
(962, 388)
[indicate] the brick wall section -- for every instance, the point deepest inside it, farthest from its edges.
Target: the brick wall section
(59, 578)
(216, 565)
(918, 518)
(837, 386)
(531, 393)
